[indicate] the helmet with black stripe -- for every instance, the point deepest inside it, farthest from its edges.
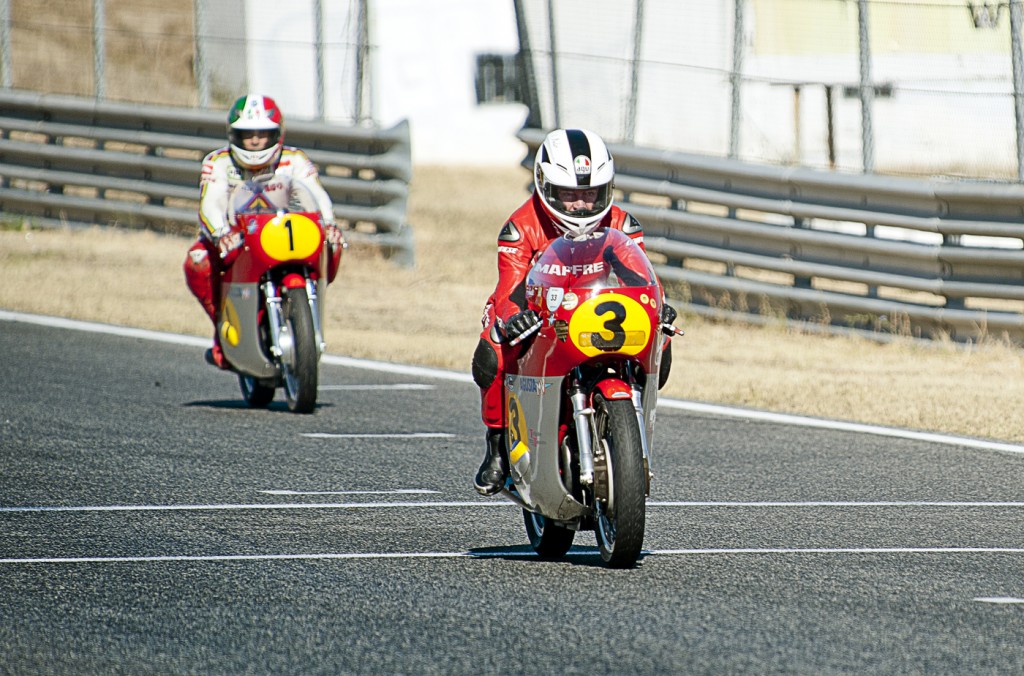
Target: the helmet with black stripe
(574, 175)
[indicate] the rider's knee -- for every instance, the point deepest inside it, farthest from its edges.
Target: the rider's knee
(199, 277)
(485, 364)
(197, 262)
(666, 365)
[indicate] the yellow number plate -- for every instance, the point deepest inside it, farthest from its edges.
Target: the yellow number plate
(290, 237)
(610, 323)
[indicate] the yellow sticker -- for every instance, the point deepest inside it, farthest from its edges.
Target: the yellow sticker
(517, 434)
(230, 323)
(290, 237)
(610, 323)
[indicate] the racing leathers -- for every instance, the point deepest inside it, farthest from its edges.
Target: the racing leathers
(524, 236)
(220, 174)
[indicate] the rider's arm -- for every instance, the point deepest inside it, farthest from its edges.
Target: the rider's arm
(303, 169)
(516, 249)
(213, 195)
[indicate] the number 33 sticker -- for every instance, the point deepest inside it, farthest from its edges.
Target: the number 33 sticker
(610, 323)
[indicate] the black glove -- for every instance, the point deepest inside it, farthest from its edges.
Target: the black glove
(668, 315)
(521, 325)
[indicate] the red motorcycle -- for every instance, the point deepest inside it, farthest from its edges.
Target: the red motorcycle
(272, 292)
(580, 397)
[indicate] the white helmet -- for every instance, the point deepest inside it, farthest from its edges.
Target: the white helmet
(255, 113)
(574, 159)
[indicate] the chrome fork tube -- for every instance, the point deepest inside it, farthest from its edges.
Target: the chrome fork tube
(314, 306)
(274, 315)
(638, 405)
(583, 415)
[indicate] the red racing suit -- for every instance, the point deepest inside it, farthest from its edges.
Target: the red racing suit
(220, 174)
(525, 235)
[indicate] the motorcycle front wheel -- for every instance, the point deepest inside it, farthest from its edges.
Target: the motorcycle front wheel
(300, 365)
(255, 392)
(547, 538)
(621, 499)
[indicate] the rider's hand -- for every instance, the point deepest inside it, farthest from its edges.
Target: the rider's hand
(334, 236)
(668, 315)
(521, 325)
(228, 243)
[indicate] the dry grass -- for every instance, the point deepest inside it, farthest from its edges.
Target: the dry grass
(430, 315)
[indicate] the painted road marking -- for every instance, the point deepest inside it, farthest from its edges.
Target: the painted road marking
(517, 552)
(1008, 600)
(430, 504)
(400, 491)
(456, 376)
(412, 435)
(360, 388)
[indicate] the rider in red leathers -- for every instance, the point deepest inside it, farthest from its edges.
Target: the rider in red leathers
(255, 147)
(573, 196)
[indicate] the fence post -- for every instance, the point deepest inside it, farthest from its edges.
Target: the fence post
(199, 40)
(554, 62)
(867, 88)
(318, 30)
(638, 30)
(5, 42)
(736, 78)
(99, 21)
(1018, 82)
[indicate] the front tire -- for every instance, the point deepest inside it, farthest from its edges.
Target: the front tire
(300, 366)
(621, 500)
(547, 538)
(255, 393)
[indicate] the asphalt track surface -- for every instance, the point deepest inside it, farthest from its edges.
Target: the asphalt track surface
(150, 523)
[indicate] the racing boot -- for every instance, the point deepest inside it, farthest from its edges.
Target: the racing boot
(490, 478)
(215, 355)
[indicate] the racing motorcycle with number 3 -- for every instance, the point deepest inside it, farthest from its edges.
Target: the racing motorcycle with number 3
(272, 291)
(580, 397)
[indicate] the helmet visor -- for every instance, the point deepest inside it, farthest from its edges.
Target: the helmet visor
(578, 202)
(244, 138)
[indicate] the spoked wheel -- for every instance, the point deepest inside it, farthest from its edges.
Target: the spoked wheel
(300, 363)
(619, 482)
(547, 538)
(256, 392)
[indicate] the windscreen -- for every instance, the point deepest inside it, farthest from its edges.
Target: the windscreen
(606, 258)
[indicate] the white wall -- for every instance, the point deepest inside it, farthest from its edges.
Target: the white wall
(423, 66)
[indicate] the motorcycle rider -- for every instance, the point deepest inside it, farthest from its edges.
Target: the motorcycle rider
(255, 147)
(573, 177)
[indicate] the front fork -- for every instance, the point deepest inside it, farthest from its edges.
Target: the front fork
(586, 429)
(314, 306)
(275, 317)
(281, 343)
(641, 419)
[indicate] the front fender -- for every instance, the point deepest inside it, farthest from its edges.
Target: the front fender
(614, 388)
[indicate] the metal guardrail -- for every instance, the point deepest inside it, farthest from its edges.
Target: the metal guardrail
(874, 254)
(74, 161)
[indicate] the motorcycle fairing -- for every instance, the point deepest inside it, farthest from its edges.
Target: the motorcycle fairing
(240, 331)
(532, 442)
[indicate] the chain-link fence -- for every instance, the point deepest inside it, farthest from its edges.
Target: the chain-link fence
(197, 53)
(925, 87)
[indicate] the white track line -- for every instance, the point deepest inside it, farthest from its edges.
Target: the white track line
(773, 551)
(360, 388)
(399, 491)
(411, 435)
(441, 374)
(434, 504)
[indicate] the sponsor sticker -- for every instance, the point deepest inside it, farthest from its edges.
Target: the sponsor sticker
(554, 298)
(582, 164)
